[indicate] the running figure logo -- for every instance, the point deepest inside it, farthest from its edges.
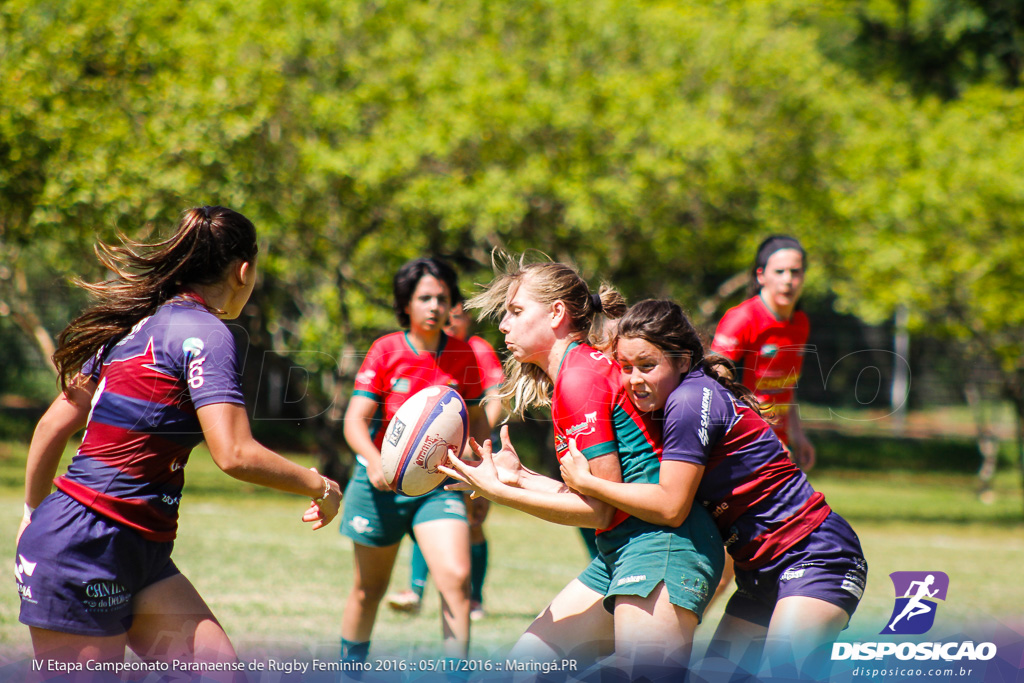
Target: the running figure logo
(917, 594)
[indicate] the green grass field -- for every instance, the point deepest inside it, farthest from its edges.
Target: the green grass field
(279, 587)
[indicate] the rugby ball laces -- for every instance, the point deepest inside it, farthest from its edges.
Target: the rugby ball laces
(418, 437)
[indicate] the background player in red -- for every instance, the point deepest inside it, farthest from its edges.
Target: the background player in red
(150, 370)
(490, 370)
(397, 366)
(649, 584)
(800, 568)
(765, 337)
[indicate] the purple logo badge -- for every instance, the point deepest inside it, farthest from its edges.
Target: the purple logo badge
(917, 594)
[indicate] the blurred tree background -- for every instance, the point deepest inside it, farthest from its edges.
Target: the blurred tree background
(653, 143)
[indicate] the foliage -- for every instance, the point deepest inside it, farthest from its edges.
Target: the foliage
(653, 143)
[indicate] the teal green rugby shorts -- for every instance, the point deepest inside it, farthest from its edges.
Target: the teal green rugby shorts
(636, 556)
(381, 518)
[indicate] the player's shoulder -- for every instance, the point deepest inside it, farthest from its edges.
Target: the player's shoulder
(584, 371)
(697, 393)
(480, 344)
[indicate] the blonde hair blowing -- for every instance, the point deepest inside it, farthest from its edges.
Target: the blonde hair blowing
(547, 281)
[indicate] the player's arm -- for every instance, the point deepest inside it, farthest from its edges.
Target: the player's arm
(666, 503)
(358, 418)
(492, 406)
(68, 413)
(551, 501)
(802, 449)
(238, 454)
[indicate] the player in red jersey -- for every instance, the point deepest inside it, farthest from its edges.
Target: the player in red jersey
(150, 370)
(649, 584)
(492, 376)
(397, 366)
(765, 337)
(800, 567)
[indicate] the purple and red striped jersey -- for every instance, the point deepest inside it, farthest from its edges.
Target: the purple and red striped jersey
(590, 404)
(393, 371)
(769, 351)
(761, 502)
(143, 422)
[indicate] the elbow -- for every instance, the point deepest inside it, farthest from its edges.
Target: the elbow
(231, 461)
(605, 517)
(675, 517)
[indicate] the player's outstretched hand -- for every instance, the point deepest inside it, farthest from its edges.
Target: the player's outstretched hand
(510, 467)
(479, 478)
(321, 514)
(575, 468)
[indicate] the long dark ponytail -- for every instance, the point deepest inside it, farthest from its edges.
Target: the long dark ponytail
(205, 242)
(664, 324)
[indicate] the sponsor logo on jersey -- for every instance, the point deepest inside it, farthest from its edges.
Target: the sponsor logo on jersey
(173, 501)
(365, 377)
(705, 416)
(195, 373)
(769, 351)
(588, 426)
(193, 346)
(400, 385)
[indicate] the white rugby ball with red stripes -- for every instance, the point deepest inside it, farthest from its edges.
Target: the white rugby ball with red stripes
(418, 437)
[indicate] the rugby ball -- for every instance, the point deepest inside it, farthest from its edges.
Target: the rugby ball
(418, 437)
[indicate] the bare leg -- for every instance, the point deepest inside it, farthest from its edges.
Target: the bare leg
(445, 547)
(652, 630)
(736, 647)
(726, 585)
(800, 633)
(68, 647)
(574, 625)
(372, 573)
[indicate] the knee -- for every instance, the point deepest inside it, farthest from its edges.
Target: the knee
(453, 578)
(369, 594)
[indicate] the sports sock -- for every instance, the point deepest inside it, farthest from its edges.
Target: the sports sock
(354, 652)
(418, 570)
(477, 570)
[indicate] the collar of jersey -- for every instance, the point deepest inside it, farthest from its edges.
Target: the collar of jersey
(440, 345)
(565, 355)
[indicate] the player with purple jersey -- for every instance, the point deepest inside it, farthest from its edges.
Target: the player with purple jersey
(799, 566)
(150, 370)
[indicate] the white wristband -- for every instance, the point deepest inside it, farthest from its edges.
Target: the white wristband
(28, 511)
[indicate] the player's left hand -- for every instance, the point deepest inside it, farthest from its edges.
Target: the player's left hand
(803, 453)
(321, 514)
(574, 467)
(479, 478)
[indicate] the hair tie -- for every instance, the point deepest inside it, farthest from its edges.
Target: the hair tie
(595, 301)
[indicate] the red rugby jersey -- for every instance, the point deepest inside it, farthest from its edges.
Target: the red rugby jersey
(769, 351)
(393, 371)
(590, 404)
(491, 372)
